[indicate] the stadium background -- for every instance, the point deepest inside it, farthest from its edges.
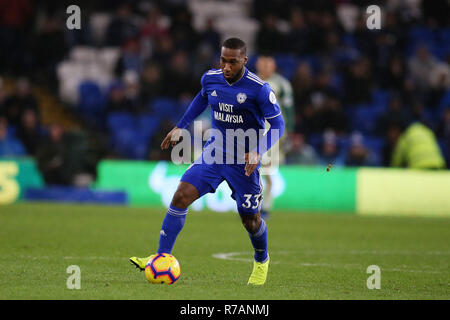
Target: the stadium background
(83, 181)
(73, 100)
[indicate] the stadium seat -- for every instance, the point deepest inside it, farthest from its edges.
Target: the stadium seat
(445, 100)
(119, 120)
(380, 98)
(422, 35)
(374, 143)
(83, 54)
(148, 125)
(287, 65)
(315, 140)
(91, 97)
(165, 108)
(363, 118)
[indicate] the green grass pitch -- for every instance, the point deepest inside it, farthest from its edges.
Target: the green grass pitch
(314, 256)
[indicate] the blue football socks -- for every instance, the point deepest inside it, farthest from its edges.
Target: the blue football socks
(171, 227)
(259, 242)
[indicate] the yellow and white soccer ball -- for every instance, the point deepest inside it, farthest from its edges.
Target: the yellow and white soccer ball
(163, 268)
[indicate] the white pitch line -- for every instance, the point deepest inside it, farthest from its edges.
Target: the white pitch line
(234, 257)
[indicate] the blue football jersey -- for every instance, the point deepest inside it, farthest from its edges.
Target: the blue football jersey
(244, 105)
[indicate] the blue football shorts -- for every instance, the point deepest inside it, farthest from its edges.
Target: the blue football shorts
(246, 190)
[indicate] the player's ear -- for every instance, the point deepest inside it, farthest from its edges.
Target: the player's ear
(245, 60)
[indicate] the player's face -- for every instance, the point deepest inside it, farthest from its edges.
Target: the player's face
(231, 62)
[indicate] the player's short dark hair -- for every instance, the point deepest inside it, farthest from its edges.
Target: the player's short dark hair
(235, 43)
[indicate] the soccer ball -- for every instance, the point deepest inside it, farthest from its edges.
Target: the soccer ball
(162, 268)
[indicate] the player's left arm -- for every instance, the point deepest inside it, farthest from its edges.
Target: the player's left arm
(272, 113)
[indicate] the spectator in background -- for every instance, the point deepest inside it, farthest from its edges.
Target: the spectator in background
(151, 83)
(323, 110)
(209, 36)
(330, 152)
(10, 146)
(439, 84)
(121, 27)
(269, 40)
(178, 81)
(266, 69)
(418, 113)
(132, 89)
(51, 35)
(15, 18)
(416, 147)
(205, 59)
(393, 76)
(52, 159)
(298, 152)
(118, 101)
(156, 26)
(331, 116)
(183, 33)
(358, 154)
(29, 131)
(130, 59)
(163, 51)
(21, 100)
(358, 82)
(420, 67)
(298, 35)
(396, 113)
(302, 84)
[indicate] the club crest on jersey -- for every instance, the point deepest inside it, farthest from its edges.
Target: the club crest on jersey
(272, 97)
(241, 97)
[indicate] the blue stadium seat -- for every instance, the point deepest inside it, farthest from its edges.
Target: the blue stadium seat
(118, 120)
(165, 108)
(92, 98)
(375, 144)
(315, 140)
(287, 64)
(363, 118)
(445, 100)
(251, 63)
(148, 125)
(380, 97)
(444, 35)
(139, 150)
(422, 35)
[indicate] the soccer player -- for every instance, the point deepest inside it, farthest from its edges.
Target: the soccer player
(266, 69)
(238, 100)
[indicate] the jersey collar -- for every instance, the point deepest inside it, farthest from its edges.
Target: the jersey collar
(234, 83)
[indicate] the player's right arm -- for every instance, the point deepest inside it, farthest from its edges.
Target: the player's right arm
(197, 106)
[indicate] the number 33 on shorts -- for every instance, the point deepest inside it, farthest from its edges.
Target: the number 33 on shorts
(248, 203)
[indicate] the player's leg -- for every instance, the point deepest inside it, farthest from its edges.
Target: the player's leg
(198, 180)
(176, 216)
(173, 222)
(257, 231)
(247, 191)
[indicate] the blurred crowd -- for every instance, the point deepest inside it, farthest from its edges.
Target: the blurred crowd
(355, 91)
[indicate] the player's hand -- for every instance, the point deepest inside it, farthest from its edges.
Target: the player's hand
(172, 138)
(251, 162)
